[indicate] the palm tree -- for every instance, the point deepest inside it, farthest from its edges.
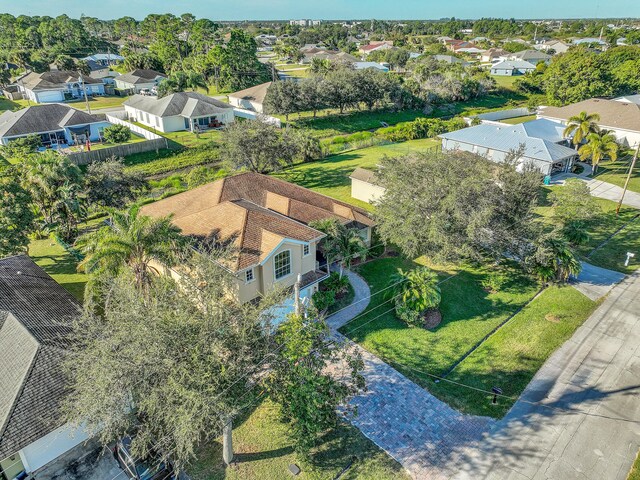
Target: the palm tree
(555, 260)
(133, 241)
(341, 243)
(599, 146)
(580, 126)
(181, 81)
(321, 66)
(416, 289)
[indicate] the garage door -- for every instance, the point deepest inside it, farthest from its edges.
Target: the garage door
(50, 96)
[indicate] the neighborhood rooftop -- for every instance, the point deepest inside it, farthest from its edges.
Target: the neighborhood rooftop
(255, 94)
(188, 104)
(255, 211)
(35, 317)
(613, 114)
(41, 119)
(53, 79)
(506, 138)
(140, 76)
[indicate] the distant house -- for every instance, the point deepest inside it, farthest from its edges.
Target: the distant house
(557, 46)
(251, 98)
(462, 46)
(449, 59)
(189, 111)
(267, 221)
(512, 67)
(133, 82)
(622, 118)
(371, 65)
(497, 141)
(58, 86)
(35, 323)
(364, 186)
(55, 124)
(375, 46)
(629, 99)
(590, 41)
(494, 55)
(105, 59)
(532, 56)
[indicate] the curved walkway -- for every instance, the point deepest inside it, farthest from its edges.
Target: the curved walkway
(426, 436)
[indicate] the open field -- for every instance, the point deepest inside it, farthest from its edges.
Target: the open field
(616, 173)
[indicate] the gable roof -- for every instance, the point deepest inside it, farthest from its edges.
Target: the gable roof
(364, 175)
(513, 65)
(35, 321)
(507, 138)
(101, 57)
(531, 55)
(186, 104)
(140, 76)
(42, 118)
(613, 114)
(254, 94)
(253, 210)
(52, 80)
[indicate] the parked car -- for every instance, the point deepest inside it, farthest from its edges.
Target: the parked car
(154, 91)
(150, 468)
(145, 91)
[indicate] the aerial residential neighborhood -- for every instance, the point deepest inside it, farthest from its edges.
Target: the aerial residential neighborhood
(355, 241)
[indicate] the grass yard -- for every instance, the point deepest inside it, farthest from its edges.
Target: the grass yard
(613, 254)
(510, 358)
(634, 474)
(98, 102)
(263, 450)
(516, 120)
(185, 139)
(58, 263)
(6, 104)
(469, 313)
(616, 173)
(168, 161)
(331, 175)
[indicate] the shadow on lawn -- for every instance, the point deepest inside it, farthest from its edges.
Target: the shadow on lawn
(59, 264)
(324, 176)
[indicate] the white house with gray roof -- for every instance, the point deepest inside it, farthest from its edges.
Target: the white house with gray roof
(539, 143)
(55, 124)
(35, 326)
(189, 111)
(58, 86)
(137, 80)
(512, 67)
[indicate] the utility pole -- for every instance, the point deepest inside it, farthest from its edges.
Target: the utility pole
(296, 292)
(84, 90)
(626, 182)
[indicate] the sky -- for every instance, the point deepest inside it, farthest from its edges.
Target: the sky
(330, 9)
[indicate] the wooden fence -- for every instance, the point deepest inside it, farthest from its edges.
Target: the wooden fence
(85, 158)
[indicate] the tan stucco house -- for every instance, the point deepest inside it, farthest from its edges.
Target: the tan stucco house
(267, 220)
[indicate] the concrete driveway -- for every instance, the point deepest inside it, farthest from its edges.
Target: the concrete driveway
(596, 282)
(84, 462)
(602, 189)
(580, 416)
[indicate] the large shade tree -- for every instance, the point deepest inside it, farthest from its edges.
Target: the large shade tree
(16, 216)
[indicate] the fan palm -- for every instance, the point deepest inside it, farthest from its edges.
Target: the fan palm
(598, 147)
(132, 241)
(416, 289)
(581, 126)
(555, 260)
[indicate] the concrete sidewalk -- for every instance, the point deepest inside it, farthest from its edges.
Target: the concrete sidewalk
(602, 189)
(580, 415)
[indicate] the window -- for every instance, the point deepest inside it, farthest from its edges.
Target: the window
(249, 276)
(282, 264)
(306, 249)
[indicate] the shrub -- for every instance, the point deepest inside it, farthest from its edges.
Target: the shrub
(495, 280)
(408, 315)
(117, 134)
(322, 300)
(576, 232)
(336, 283)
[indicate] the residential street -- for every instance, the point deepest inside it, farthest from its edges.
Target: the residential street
(584, 421)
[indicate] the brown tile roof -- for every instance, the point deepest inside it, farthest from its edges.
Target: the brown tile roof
(612, 114)
(255, 212)
(35, 316)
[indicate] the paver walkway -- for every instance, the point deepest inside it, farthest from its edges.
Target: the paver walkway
(422, 433)
(596, 282)
(579, 418)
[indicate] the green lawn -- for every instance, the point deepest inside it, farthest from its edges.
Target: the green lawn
(331, 175)
(616, 173)
(516, 120)
(510, 358)
(603, 226)
(98, 102)
(263, 450)
(468, 314)
(58, 263)
(185, 139)
(634, 474)
(6, 104)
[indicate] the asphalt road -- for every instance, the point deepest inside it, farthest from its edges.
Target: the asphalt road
(580, 416)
